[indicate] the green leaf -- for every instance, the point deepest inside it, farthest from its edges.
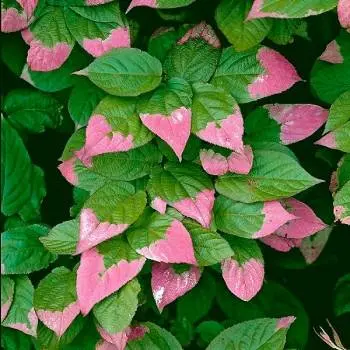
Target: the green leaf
(231, 16)
(166, 98)
(166, 4)
(116, 204)
(343, 171)
(116, 312)
(341, 296)
(13, 340)
(22, 251)
(240, 219)
(63, 238)
(80, 108)
(123, 166)
(194, 61)
(197, 303)
(341, 204)
(32, 110)
(287, 9)
(274, 175)
(274, 300)
(284, 30)
(125, 72)
(22, 313)
(328, 81)
(16, 171)
(156, 338)
(177, 182)
(339, 112)
(56, 291)
(79, 197)
(209, 247)
(259, 334)
(244, 249)
(60, 78)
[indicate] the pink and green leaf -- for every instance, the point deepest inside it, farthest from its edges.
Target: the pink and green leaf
(159, 4)
(260, 78)
(55, 300)
(161, 238)
(187, 189)
(104, 269)
(168, 284)
(22, 316)
(253, 220)
(341, 204)
(244, 272)
(7, 292)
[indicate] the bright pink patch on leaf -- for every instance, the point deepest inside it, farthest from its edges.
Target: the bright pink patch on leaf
(5, 308)
(241, 163)
(328, 141)
(305, 224)
(104, 345)
(213, 163)
(344, 13)
(199, 208)
(281, 244)
(245, 280)
(23, 327)
(136, 332)
(12, 20)
(256, 11)
(92, 231)
(45, 59)
(201, 31)
(95, 282)
(332, 53)
(176, 247)
(119, 37)
(285, 322)
(67, 170)
(59, 321)
(174, 129)
(226, 133)
(118, 340)
(159, 205)
(275, 216)
(167, 285)
(100, 139)
(297, 121)
(28, 6)
(279, 75)
(137, 3)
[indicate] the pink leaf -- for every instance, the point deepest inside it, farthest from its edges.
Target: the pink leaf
(174, 129)
(332, 53)
(137, 3)
(167, 285)
(305, 224)
(270, 82)
(176, 247)
(297, 121)
(275, 216)
(199, 208)
(12, 20)
(281, 244)
(213, 163)
(241, 163)
(67, 170)
(119, 340)
(226, 133)
(159, 205)
(95, 282)
(100, 139)
(245, 280)
(104, 345)
(344, 14)
(285, 322)
(59, 321)
(201, 31)
(118, 37)
(328, 140)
